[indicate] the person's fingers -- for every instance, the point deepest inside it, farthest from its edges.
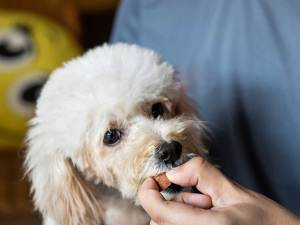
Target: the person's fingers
(162, 211)
(207, 179)
(194, 199)
(150, 187)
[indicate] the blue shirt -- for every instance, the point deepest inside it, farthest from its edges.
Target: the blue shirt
(241, 62)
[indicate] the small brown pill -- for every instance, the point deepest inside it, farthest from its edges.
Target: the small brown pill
(162, 181)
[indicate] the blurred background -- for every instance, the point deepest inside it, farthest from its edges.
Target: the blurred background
(36, 37)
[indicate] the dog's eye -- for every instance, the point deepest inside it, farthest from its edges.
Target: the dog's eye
(112, 136)
(157, 110)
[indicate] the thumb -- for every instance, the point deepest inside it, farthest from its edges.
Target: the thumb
(206, 178)
(194, 199)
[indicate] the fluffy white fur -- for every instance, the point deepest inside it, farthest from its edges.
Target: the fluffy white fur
(78, 180)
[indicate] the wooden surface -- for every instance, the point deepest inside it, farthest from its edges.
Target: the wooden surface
(15, 205)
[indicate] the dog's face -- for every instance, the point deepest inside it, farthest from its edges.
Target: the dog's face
(139, 139)
(118, 115)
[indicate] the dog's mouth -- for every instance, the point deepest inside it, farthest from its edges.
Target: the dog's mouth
(163, 182)
(173, 189)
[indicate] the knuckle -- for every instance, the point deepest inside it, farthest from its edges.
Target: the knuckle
(198, 162)
(196, 168)
(215, 192)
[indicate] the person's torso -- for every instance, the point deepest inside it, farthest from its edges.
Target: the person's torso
(241, 62)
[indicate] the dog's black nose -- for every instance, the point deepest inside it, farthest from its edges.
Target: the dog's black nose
(169, 152)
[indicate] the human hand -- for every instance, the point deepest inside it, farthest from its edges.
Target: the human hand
(223, 202)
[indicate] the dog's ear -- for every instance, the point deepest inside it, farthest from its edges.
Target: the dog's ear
(59, 192)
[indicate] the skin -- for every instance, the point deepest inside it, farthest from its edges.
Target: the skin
(223, 202)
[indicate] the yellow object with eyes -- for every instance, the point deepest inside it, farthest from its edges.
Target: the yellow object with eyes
(31, 47)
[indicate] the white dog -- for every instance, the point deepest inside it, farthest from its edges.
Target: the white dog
(104, 123)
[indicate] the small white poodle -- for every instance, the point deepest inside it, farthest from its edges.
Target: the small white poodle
(104, 123)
